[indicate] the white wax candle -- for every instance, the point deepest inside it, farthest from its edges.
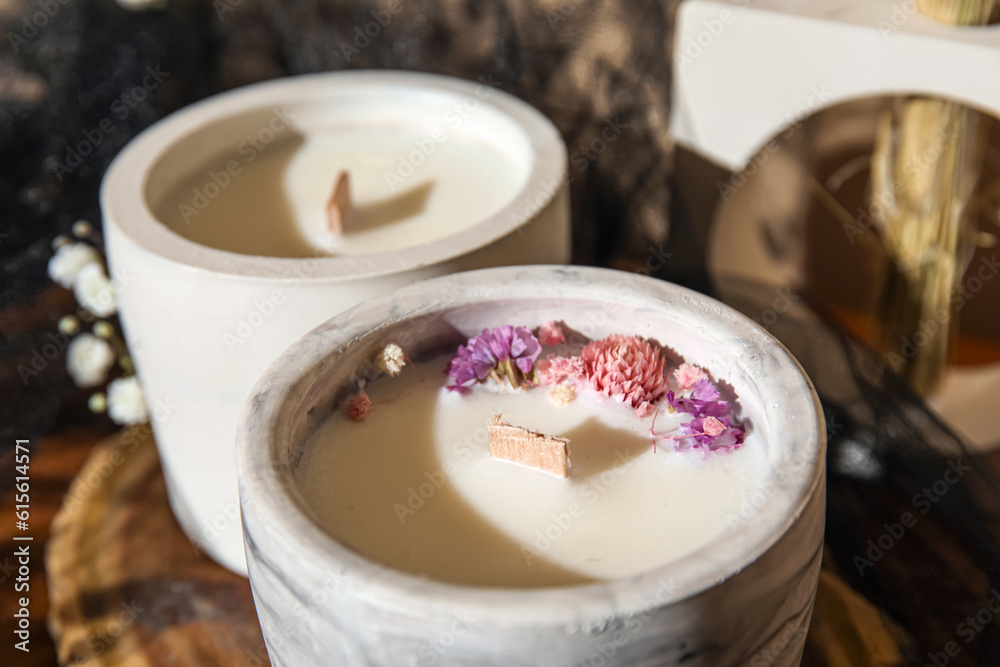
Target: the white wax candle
(204, 223)
(276, 204)
(413, 486)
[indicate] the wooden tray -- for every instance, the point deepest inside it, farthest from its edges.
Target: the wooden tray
(127, 588)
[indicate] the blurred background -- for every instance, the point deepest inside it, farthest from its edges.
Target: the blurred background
(80, 78)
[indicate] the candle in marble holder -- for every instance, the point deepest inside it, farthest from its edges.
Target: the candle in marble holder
(371, 498)
(216, 221)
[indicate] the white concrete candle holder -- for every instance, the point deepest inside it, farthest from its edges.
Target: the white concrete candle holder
(744, 598)
(203, 323)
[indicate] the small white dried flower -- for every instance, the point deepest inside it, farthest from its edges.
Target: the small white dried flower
(69, 325)
(103, 329)
(98, 403)
(562, 394)
(88, 359)
(126, 404)
(69, 260)
(391, 359)
(82, 229)
(94, 291)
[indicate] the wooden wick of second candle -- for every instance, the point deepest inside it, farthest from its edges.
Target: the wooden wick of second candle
(338, 208)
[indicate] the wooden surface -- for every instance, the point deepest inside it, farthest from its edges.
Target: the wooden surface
(128, 588)
(54, 463)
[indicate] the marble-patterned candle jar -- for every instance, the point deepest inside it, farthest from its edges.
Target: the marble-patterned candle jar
(214, 221)
(744, 597)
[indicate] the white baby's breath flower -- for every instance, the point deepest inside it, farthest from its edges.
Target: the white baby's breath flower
(562, 394)
(103, 329)
(98, 403)
(95, 292)
(88, 359)
(70, 258)
(126, 404)
(82, 229)
(391, 359)
(68, 325)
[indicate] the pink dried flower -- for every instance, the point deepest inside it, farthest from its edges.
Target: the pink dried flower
(554, 370)
(688, 375)
(625, 367)
(645, 409)
(550, 334)
(713, 427)
(357, 407)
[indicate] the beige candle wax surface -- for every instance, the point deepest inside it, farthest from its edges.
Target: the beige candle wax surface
(276, 204)
(413, 486)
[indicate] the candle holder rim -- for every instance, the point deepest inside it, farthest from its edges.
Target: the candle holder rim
(287, 512)
(127, 174)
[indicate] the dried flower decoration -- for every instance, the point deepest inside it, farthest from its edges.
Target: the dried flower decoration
(711, 427)
(391, 359)
(88, 360)
(554, 370)
(688, 375)
(504, 354)
(91, 357)
(562, 394)
(645, 410)
(626, 368)
(358, 407)
(126, 404)
(550, 333)
(65, 265)
(94, 291)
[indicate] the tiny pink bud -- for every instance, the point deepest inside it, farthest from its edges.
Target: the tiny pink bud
(357, 407)
(713, 426)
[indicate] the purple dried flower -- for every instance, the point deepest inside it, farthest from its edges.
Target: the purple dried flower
(712, 432)
(703, 401)
(711, 427)
(491, 353)
(472, 363)
(524, 349)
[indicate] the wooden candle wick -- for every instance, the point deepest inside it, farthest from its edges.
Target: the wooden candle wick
(338, 208)
(535, 450)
